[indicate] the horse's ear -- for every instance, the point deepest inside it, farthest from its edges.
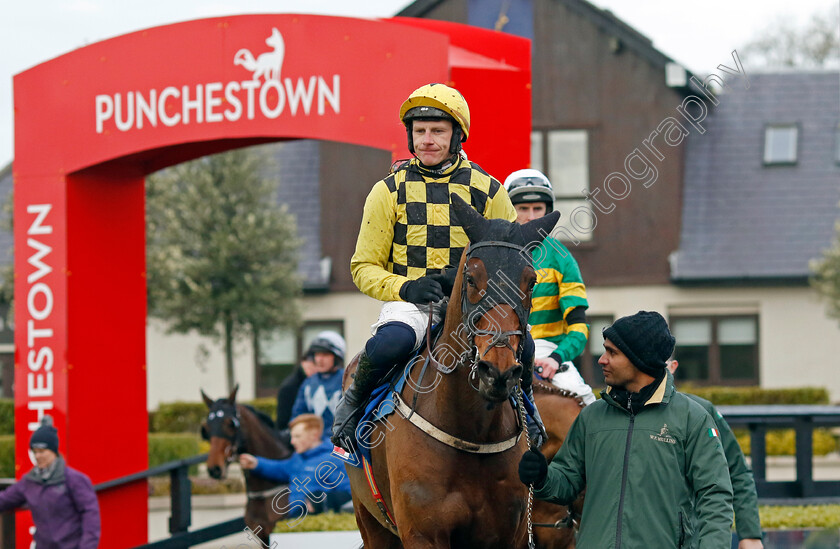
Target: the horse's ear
(232, 397)
(535, 231)
(207, 400)
(473, 222)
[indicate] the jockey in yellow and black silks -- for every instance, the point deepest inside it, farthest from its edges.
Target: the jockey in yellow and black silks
(408, 244)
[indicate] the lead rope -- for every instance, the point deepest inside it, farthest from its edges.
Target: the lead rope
(520, 398)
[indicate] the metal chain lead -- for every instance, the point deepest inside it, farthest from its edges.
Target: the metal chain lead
(521, 399)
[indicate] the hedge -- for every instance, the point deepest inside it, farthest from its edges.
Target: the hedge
(324, 522)
(7, 456)
(161, 485)
(782, 442)
(164, 447)
(186, 417)
(800, 516)
(734, 396)
(7, 416)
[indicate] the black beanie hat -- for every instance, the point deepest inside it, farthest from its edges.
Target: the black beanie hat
(46, 436)
(644, 338)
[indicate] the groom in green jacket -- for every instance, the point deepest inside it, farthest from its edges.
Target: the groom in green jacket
(644, 452)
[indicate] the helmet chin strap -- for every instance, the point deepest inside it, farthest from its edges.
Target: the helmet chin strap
(440, 167)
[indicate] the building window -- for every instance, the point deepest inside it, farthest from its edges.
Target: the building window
(780, 144)
(563, 156)
(280, 352)
(587, 362)
(717, 350)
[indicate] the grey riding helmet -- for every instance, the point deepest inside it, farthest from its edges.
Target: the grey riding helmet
(530, 185)
(329, 342)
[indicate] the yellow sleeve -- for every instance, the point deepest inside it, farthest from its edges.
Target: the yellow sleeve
(376, 235)
(501, 207)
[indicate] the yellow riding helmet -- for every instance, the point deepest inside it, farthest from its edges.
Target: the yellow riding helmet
(442, 97)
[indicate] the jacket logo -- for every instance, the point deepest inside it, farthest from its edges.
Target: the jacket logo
(664, 436)
(266, 64)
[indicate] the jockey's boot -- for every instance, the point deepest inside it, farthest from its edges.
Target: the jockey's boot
(391, 345)
(350, 406)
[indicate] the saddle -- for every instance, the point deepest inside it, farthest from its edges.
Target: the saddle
(385, 400)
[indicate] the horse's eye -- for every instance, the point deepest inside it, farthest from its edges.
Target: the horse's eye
(470, 280)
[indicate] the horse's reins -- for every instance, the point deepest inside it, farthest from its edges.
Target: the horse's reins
(471, 313)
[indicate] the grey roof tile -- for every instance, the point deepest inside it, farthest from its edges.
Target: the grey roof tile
(744, 220)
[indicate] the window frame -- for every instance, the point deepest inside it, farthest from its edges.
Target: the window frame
(261, 388)
(566, 203)
(781, 126)
(713, 355)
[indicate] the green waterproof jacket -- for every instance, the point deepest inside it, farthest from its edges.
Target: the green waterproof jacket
(745, 500)
(642, 472)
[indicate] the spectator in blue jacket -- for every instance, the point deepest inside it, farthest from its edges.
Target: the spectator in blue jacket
(316, 478)
(63, 504)
(320, 392)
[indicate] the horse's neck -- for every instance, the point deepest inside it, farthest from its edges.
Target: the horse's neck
(259, 440)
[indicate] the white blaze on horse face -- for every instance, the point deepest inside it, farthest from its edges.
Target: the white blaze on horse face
(221, 453)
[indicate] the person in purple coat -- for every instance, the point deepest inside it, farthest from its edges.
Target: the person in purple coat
(62, 501)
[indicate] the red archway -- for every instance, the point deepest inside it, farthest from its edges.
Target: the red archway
(89, 126)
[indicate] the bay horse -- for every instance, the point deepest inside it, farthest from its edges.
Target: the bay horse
(553, 524)
(234, 429)
(458, 486)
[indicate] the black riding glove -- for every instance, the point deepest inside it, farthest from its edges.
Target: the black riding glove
(423, 290)
(446, 278)
(532, 468)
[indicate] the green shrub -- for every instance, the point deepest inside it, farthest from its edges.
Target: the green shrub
(186, 417)
(7, 456)
(734, 396)
(267, 405)
(782, 442)
(164, 447)
(179, 417)
(324, 522)
(7, 416)
(800, 516)
(160, 486)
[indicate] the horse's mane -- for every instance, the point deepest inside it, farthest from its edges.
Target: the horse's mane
(549, 389)
(264, 418)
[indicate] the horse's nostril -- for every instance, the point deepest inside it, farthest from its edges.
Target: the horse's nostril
(215, 472)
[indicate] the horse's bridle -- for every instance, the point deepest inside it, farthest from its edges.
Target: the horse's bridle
(215, 428)
(501, 291)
